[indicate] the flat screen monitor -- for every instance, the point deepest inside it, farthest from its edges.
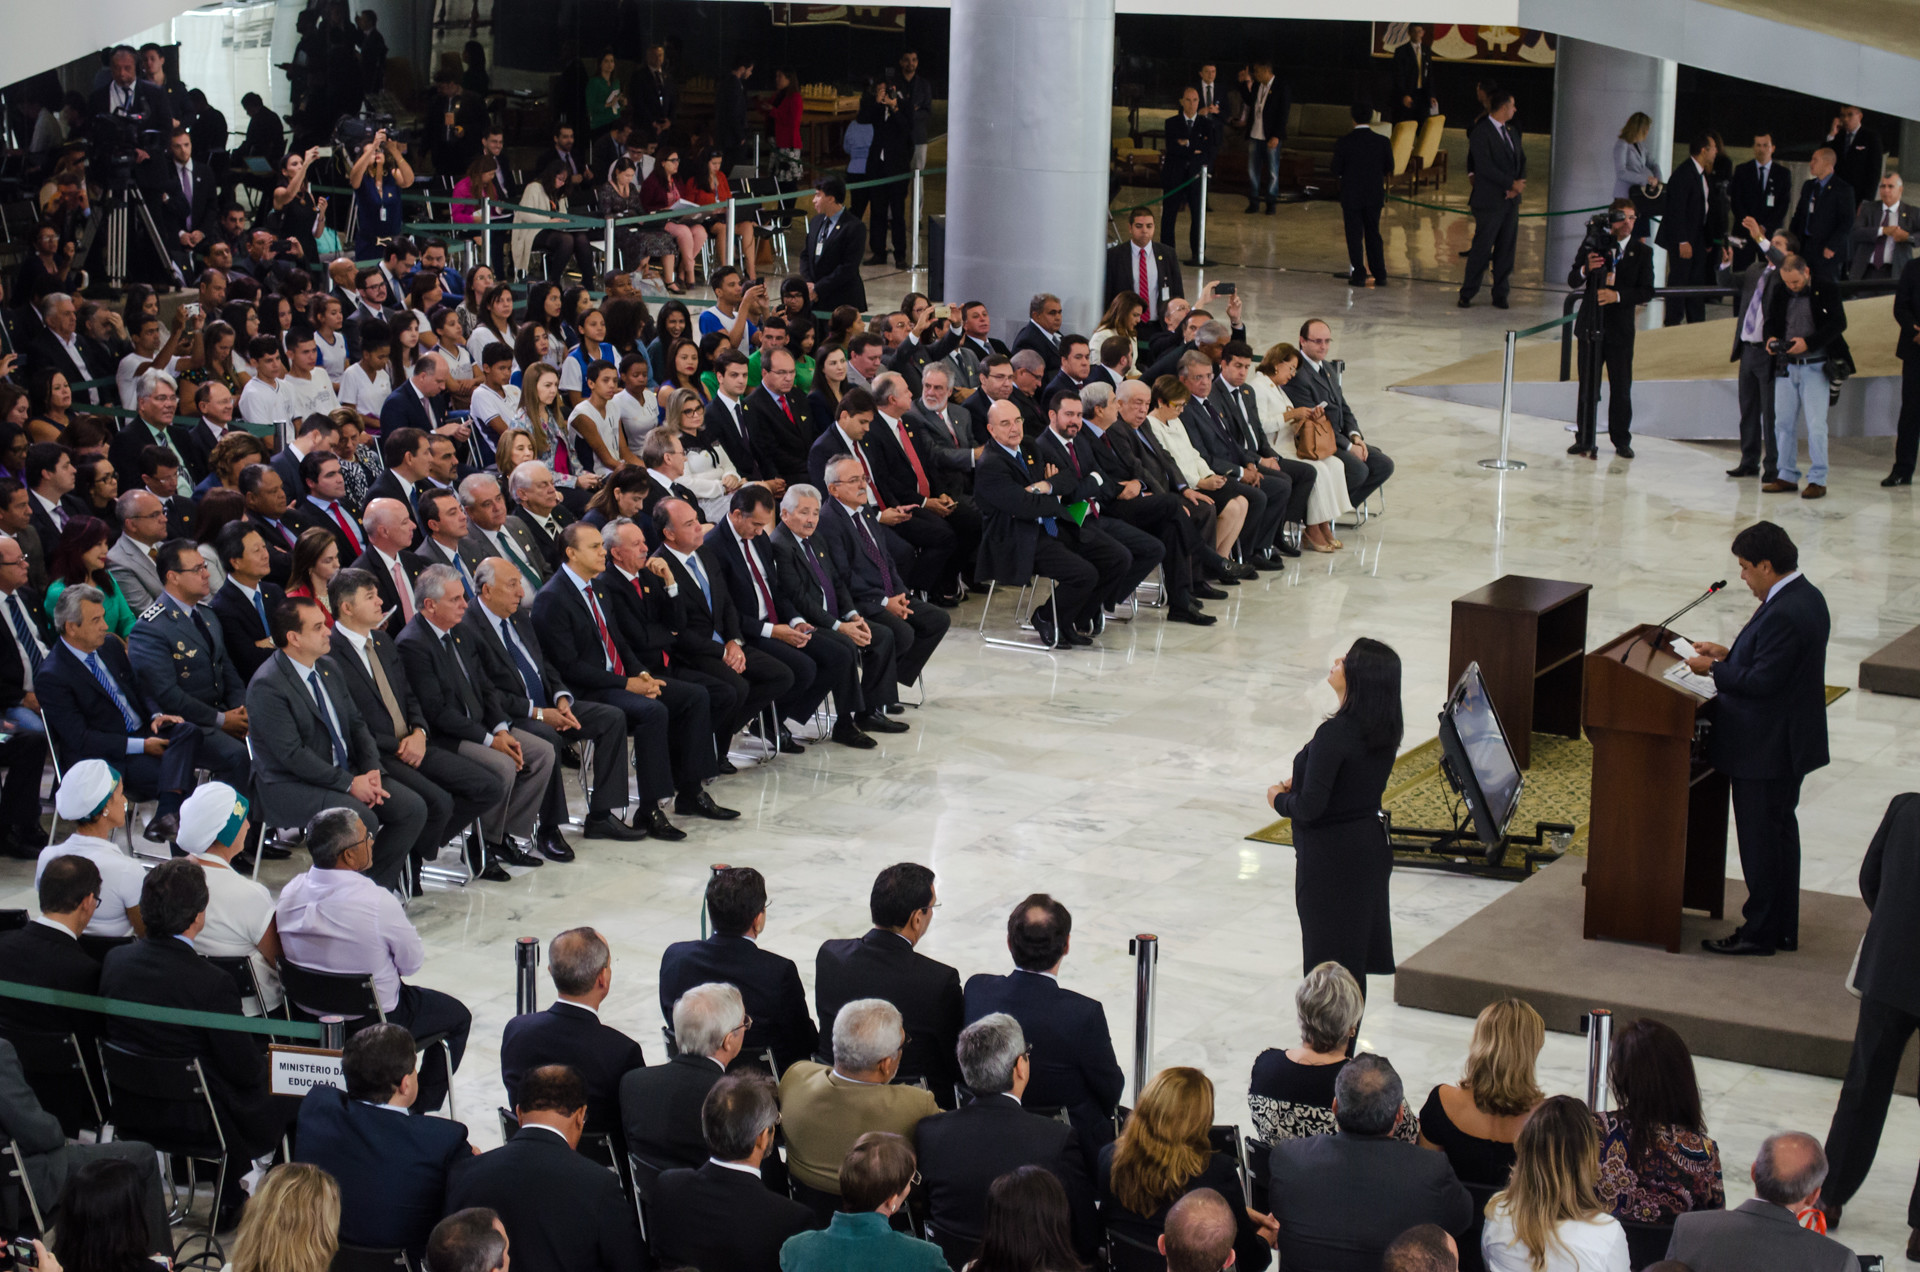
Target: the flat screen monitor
(1479, 756)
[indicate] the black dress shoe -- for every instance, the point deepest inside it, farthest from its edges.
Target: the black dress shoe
(599, 826)
(726, 767)
(1624, 452)
(877, 722)
(1787, 944)
(1271, 205)
(660, 828)
(696, 804)
(1499, 304)
(846, 733)
(569, 756)
(1076, 639)
(1578, 448)
(947, 600)
(1896, 479)
(1745, 470)
(494, 873)
(1241, 570)
(1463, 302)
(1044, 626)
(1738, 946)
(1269, 560)
(788, 746)
(553, 846)
(511, 854)
(1831, 1209)
(1252, 208)
(1285, 549)
(162, 829)
(896, 708)
(1207, 592)
(877, 260)
(1182, 614)
(274, 852)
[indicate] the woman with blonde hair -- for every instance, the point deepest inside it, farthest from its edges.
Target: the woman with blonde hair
(1163, 1154)
(710, 473)
(291, 1223)
(1476, 1123)
(1549, 1218)
(1631, 167)
(1122, 319)
(1301, 432)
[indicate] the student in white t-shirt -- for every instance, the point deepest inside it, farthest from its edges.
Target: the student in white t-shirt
(149, 352)
(240, 920)
(306, 388)
(599, 438)
(329, 338)
(369, 382)
(633, 410)
(264, 400)
(495, 399)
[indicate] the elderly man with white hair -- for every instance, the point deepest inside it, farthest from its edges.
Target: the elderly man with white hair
(536, 501)
(825, 1108)
(492, 531)
(660, 1104)
(156, 399)
(1883, 231)
(390, 559)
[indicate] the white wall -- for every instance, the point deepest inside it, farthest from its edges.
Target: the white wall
(59, 34)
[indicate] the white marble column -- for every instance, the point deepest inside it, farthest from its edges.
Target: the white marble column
(1029, 132)
(1595, 88)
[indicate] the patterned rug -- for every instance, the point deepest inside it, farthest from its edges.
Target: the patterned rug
(1558, 788)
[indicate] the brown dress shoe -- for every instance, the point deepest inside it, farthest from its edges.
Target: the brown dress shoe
(1814, 491)
(1777, 486)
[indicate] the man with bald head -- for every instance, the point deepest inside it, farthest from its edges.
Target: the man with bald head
(390, 559)
(1823, 217)
(1764, 1234)
(858, 546)
(1200, 1227)
(1026, 531)
(570, 1032)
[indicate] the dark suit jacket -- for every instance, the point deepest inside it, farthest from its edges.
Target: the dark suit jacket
(1770, 718)
(1906, 309)
(1749, 200)
(173, 211)
(84, 723)
(1191, 145)
(1121, 276)
(124, 451)
(1755, 1236)
(798, 590)
(1412, 72)
(1632, 278)
(1858, 161)
(1866, 236)
(392, 1168)
(1686, 217)
(700, 622)
(722, 1220)
(404, 409)
(721, 557)
(719, 425)
(946, 437)
(1889, 969)
(1755, 275)
(240, 623)
(1073, 1062)
(1010, 514)
(833, 265)
(289, 737)
(1219, 1173)
(366, 695)
(779, 443)
(871, 577)
(153, 118)
(563, 1212)
(1824, 220)
(884, 964)
(549, 544)
(568, 633)
(410, 565)
(459, 705)
(1032, 337)
(44, 353)
(279, 551)
(1341, 1199)
(1496, 165)
(646, 618)
(571, 1035)
(1310, 387)
(660, 1109)
(38, 955)
(1363, 160)
(769, 983)
(302, 515)
(961, 1153)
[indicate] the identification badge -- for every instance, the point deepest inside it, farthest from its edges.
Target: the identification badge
(1769, 198)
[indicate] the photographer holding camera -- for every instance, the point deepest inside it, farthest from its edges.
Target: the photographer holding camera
(1804, 322)
(130, 116)
(1617, 271)
(379, 174)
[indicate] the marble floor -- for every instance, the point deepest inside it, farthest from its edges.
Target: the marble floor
(1123, 779)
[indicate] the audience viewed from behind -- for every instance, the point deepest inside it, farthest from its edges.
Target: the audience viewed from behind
(826, 1108)
(1291, 1093)
(874, 1181)
(1549, 1218)
(1656, 1159)
(291, 1224)
(1764, 1231)
(1476, 1123)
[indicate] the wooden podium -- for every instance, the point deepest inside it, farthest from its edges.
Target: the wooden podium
(1657, 837)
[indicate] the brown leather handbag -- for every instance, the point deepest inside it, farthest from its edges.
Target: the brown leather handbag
(1313, 438)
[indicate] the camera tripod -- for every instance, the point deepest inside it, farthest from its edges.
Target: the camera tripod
(118, 206)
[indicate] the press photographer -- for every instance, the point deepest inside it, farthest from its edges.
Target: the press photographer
(1617, 271)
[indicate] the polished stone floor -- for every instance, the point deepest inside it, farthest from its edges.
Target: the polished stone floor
(1124, 779)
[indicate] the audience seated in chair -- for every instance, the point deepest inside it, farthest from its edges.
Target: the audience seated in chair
(1425, 1247)
(1199, 1233)
(1550, 1218)
(106, 1219)
(963, 1152)
(292, 1223)
(470, 1240)
(660, 1105)
(570, 1032)
(1341, 1198)
(770, 985)
(47, 951)
(391, 1167)
(564, 1212)
(722, 1217)
(240, 915)
(1476, 1123)
(1028, 1224)
(1291, 1093)
(886, 963)
(873, 1183)
(826, 1108)
(334, 919)
(1656, 1160)
(1162, 1154)
(1763, 1234)
(94, 816)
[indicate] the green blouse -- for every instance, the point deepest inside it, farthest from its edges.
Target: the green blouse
(119, 613)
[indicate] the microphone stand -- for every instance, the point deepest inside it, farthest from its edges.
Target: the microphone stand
(1662, 626)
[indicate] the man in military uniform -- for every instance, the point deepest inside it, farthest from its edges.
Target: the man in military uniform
(179, 657)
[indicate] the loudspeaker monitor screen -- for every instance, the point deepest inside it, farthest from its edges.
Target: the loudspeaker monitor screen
(1480, 757)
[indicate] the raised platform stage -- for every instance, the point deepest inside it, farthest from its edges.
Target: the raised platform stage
(1683, 385)
(1895, 668)
(1791, 1011)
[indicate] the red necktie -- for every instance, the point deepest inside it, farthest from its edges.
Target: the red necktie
(913, 458)
(781, 398)
(760, 582)
(1146, 293)
(606, 640)
(340, 519)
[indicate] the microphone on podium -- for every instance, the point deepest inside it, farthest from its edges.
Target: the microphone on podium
(1663, 624)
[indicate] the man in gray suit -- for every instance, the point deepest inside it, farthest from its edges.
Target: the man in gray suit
(51, 1161)
(1318, 382)
(1763, 1235)
(1342, 1198)
(311, 749)
(143, 524)
(1883, 230)
(493, 531)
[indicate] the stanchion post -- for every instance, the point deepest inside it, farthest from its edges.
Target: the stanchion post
(486, 231)
(732, 211)
(333, 1033)
(1200, 257)
(1503, 464)
(526, 990)
(1599, 1055)
(607, 246)
(714, 869)
(919, 198)
(1145, 949)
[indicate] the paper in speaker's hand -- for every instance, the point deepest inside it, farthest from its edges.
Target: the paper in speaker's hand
(1684, 647)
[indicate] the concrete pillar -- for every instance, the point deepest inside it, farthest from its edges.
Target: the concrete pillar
(1028, 136)
(1595, 88)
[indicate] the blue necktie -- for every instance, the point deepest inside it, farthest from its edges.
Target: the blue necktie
(260, 607)
(466, 580)
(536, 691)
(107, 682)
(23, 632)
(326, 714)
(700, 577)
(1050, 524)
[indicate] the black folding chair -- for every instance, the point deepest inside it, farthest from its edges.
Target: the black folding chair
(245, 979)
(353, 1258)
(99, 946)
(14, 920)
(1469, 1242)
(1646, 1242)
(23, 1186)
(351, 994)
(1130, 1254)
(55, 1065)
(164, 1101)
(644, 1174)
(1259, 1174)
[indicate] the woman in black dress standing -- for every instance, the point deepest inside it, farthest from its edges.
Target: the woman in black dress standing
(1333, 797)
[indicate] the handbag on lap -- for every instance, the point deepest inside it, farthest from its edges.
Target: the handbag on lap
(1313, 438)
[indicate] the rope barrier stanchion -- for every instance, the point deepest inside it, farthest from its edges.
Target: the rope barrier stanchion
(1503, 464)
(526, 989)
(1599, 1028)
(1145, 949)
(732, 213)
(333, 1033)
(919, 202)
(1200, 251)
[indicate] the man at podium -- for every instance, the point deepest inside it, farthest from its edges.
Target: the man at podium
(1769, 731)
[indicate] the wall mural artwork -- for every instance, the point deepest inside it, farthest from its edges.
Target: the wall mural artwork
(1470, 42)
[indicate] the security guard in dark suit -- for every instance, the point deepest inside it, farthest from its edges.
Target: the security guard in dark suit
(1192, 143)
